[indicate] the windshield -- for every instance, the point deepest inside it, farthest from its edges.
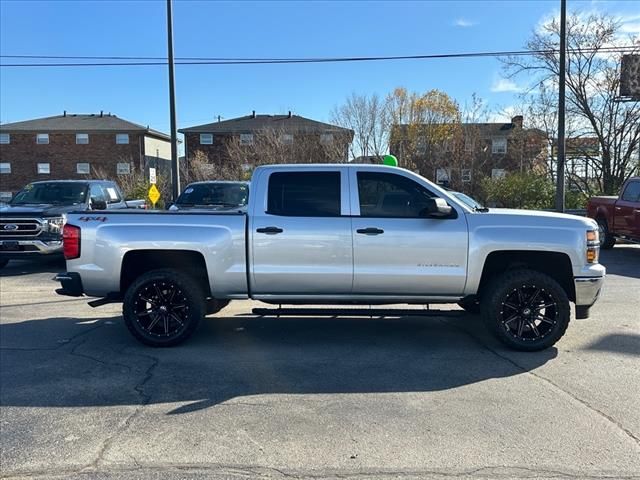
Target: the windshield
(467, 200)
(54, 193)
(215, 194)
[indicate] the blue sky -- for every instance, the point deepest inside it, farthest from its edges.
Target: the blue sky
(259, 29)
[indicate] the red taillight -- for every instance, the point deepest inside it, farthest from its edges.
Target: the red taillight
(71, 241)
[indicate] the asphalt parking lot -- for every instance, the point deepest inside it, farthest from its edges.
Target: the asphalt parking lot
(250, 397)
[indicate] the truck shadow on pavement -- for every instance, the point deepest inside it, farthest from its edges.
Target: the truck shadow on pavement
(623, 260)
(41, 265)
(68, 362)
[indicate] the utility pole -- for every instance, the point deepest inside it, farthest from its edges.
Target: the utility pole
(175, 164)
(561, 108)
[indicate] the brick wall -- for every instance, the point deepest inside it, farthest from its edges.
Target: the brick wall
(62, 153)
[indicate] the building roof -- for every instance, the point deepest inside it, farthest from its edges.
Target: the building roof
(80, 123)
(489, 130)
(253, 123)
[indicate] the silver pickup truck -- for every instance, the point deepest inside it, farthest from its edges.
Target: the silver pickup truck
(338, 234)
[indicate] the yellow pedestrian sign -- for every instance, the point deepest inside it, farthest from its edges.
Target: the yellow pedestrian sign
(154, 195)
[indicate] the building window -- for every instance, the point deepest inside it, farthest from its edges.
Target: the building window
(82, 138)
(246, 139)
(123, 168)
(286, 138)
(326, 138)
(421, 146)
(206, 139)
(443, 176)
(122, 138)
(468, 145)
(5, 138)
(42, 138)
(466, 175)
(497, 173)
(5, 167)
(448, 145)
(5, 196)
(83, 168)
(44, 168)
(499, 145)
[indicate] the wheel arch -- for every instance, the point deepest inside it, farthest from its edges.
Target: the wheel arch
(138, 262)
(555, 264)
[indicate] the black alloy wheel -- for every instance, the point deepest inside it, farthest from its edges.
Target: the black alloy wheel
(163, 307)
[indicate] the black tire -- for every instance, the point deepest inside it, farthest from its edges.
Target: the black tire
(3, 262)
(607, 240)
(526, 310)
(470, 305)
(163, 308)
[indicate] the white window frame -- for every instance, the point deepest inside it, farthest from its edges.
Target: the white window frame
(5, 138)
(43, 168)
(465, 175)
(468, 145)
(120, 137)
(246, 139)
(5, 196)
(496, 145)
(326, 138)
(42, 138)
(498, 173)
(439, 173)
(88, 168)
(5, 168)
(286, 138)
(81, 137)
(121, 170)
(204, 136)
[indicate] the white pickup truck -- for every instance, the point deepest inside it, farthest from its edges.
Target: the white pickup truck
(338, 234)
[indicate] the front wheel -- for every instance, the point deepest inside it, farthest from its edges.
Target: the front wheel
(526, 310)
(162, 308)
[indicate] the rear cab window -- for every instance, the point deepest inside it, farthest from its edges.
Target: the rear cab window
(631, 192)
(304, 194)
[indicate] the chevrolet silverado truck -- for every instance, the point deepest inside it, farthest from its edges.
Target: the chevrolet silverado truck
(338, 235)
(31, 223)
(618, 217)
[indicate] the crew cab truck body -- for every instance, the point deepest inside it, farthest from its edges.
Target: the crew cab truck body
(31, 223)
(618, 217)
(338, 234)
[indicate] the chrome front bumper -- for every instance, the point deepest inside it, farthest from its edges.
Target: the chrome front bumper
(27, 247)
(588, 290)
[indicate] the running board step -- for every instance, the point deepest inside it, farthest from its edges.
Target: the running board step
(354, 312)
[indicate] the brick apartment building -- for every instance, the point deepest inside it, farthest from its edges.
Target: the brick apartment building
(256, 139)
(470, 151)
(72, 146)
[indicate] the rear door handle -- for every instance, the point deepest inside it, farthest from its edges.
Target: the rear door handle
(370, 231)
(270, 230)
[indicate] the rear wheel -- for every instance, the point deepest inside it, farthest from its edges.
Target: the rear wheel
(162, 308)
(526, 310)
(606, 239)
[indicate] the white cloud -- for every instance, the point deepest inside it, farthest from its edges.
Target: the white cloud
(504, 85)
(464, 23)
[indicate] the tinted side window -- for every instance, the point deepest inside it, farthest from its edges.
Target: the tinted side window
(96, 192)
(304, 194)
(632, 192)
(389, 195)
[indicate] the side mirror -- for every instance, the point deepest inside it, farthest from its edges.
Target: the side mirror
(98, 204)
(436, 208)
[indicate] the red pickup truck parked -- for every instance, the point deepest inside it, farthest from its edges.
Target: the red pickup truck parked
(618, 217)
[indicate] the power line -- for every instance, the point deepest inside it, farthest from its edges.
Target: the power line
(158, 61)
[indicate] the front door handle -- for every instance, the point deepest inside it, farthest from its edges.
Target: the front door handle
(370, 231)
(270, 230)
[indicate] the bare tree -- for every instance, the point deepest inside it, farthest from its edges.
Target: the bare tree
(592, 83)
(366, 116)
